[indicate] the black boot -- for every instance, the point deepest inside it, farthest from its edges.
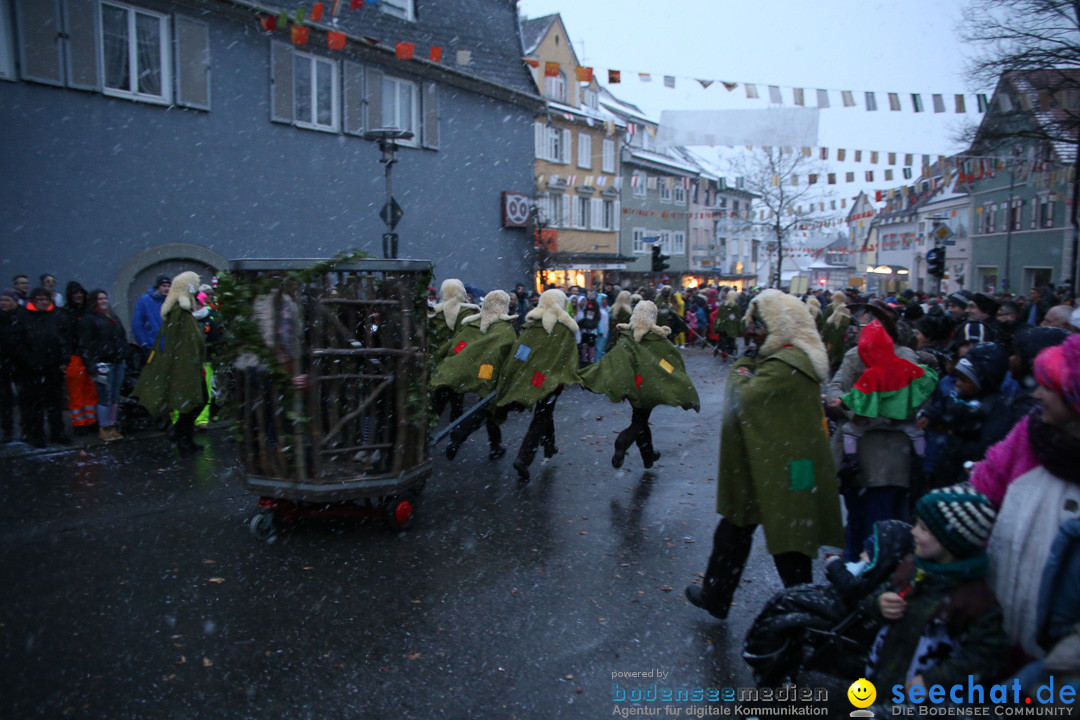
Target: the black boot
(497, 451)
(731, 548)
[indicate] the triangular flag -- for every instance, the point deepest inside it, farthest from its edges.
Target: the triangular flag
(464, 57)
(892, 158)
(939, 102)
(316, 12)
(300, 12)
(894, 102)
(751, 91)
(669, 81)
(283, 20)
(584, 74)
(871, 102)
(644, 77)
(848, 98)
(960, 106)
(823, 98)
(614, 77)
(435, 53)
(335, 40)
(729, 85)
(774, 95)
(858, 156)
(268, 23)
(404, 50)
(799, 96)
(532, 62)
(916, 102)
(706, 83)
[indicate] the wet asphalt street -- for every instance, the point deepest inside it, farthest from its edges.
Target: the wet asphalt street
(133, 588)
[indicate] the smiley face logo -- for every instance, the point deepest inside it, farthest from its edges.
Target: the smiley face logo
(862, 693)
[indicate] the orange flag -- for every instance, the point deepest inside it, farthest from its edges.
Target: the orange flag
(584, 74)
(404, 50)
(316, 11)
(435, 53)
(335, 40)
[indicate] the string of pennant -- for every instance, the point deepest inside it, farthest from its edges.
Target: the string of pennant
(894, 101)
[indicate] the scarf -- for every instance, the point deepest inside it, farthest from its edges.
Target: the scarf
(972, 568)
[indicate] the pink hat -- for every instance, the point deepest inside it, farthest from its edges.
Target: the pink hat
(1058, 368)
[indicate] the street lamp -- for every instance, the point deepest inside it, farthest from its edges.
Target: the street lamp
(391, 212)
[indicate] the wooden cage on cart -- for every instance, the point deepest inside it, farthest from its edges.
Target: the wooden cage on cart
(332, 388)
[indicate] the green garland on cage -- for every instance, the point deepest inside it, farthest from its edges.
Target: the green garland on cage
(236, 301)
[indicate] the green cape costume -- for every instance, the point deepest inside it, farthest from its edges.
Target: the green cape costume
(173, 377)
(538, 365)
(729, 321)
(775, 465)
(646, 374)
(474, 359)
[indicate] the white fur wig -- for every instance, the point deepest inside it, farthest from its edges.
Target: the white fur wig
(452, 300)
(814, 305)
(182, 292)
(551, 309)
(622, 302)
(496, 306)
(643, 321)
(788, 322)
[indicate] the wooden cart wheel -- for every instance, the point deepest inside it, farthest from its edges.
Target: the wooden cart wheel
(264, 526)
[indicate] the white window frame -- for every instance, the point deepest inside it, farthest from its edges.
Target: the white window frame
(555, 86)
(164, 50)
(1046, 211)
(391, 107)
(677, 243)
(584, 150)
(638, 243)
(1014, 215)
(582, 211)
(665, 191)
(680, 192)
(401, 9)
(607, 221)
(642, 186)
(989, 211)
(607, 156)
(316, 64)
(590, 98)
(553, 143)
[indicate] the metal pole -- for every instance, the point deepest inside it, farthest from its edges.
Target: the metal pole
(1008, 229)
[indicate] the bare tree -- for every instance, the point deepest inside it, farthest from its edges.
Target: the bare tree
(1035, 45)
(790, 188)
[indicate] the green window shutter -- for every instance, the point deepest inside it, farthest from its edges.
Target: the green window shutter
(82, 57)
(281, 83)
(374, 98)
(192, 63)
(353, 98)
(429, 131)
(38, 23)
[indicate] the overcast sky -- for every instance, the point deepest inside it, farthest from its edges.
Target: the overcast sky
(903, 47)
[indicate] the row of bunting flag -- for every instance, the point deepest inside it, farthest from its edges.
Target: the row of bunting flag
(300, 33)
(895, 101)
(939, 102)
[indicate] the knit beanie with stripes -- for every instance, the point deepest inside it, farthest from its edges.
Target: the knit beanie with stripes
(960, 517)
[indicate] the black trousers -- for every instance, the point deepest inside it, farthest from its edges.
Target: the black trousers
(7, 400)
(731, 549)
(41, 396)
(443, 396)
(637, 432)
(472, 423)
(541, 430)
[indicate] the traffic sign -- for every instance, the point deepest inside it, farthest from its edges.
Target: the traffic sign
(391, 213)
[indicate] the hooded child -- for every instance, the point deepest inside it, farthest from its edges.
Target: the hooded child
(173, 377)
(478, 351)
(543, 360)
(646, 370)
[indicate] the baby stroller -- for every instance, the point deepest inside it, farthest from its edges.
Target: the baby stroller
(823, 628)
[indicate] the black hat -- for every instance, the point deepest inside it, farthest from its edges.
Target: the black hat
(972, 332)
(985, 364)
(1031, 342)
(935, 327)
(960, 297)
(986, 303)
(161, 280)
(882, 311)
